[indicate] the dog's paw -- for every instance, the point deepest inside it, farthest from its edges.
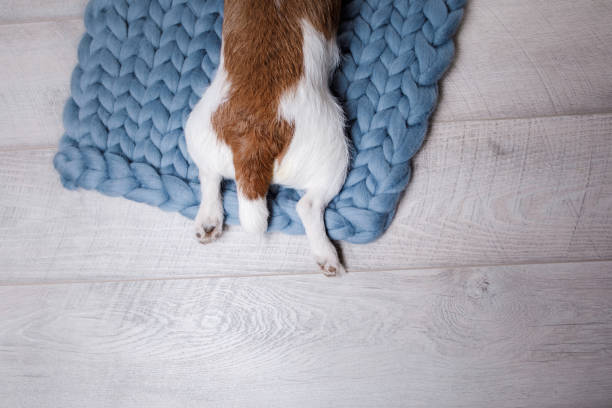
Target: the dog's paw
(331, 267)
(208, 230)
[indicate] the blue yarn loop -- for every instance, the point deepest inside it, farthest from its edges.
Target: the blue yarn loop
(143, 65)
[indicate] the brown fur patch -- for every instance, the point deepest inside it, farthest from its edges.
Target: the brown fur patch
(262, 48)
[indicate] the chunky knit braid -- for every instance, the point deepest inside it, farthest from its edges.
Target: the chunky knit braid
(143, 64)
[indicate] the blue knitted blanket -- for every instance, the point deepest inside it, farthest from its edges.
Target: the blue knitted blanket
(143, 65)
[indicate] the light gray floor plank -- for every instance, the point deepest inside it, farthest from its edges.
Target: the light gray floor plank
(524, 58)
(516, 58)
(529, 336)
(491, 192)
(15, 11)
(36, 62)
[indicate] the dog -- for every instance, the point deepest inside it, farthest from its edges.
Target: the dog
(268, 117)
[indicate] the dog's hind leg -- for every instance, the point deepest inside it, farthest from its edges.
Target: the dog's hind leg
(311, 209)
(209, 221)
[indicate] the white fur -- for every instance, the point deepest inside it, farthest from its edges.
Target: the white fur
(316, 159)
(212, 156)
(210, 153)
(209, 221)
(253, 214)
(318, 120)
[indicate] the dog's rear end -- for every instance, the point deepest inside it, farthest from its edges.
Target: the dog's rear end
(269, 117)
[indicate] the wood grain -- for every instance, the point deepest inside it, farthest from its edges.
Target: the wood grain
(516, 170)
(490, 192)
(18, 11)
(536, 336)
(516, 58)
(525, 58)
(36, 62)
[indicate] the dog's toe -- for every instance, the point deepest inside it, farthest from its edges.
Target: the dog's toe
(331, 267)
(207, 232)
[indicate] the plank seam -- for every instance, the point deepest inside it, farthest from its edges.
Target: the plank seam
(430, 269)
(17, 148)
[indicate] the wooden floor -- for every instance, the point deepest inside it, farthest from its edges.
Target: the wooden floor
(492, 288)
